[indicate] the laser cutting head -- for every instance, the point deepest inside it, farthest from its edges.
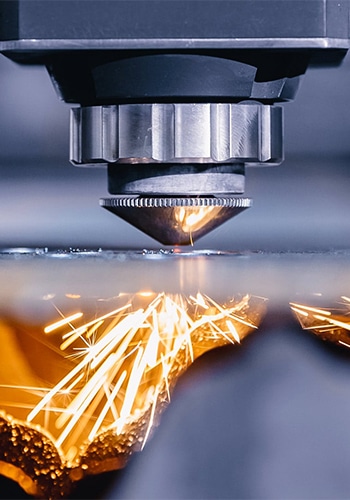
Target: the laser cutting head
(178, 170)
(177, 153)
(176, 98)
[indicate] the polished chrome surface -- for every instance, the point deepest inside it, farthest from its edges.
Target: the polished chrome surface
(170, 43)
(205, 133)
(176, 221)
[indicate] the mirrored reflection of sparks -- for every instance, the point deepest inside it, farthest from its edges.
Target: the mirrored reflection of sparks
(193, 219)
(119, 370)
(332, 325)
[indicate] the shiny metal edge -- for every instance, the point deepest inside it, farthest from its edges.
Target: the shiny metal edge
(167, 43)
(44, 252)
(171, 201)
(24, 252)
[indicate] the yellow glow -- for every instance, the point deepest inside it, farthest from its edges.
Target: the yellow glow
(328, 325)
(115, 373)
(194, 218)
(146, 294)
(311, 309)
(335, 322)
(62, 322)
(299, 311)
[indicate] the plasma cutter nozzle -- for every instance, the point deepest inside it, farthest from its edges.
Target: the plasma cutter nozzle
(176, 97)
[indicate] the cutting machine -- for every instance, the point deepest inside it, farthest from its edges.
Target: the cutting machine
(175, 97)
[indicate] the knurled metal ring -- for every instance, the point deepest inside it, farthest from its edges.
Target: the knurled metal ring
(161, 202)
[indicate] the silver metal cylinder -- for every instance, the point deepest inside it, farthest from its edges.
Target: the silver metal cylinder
(249, 133)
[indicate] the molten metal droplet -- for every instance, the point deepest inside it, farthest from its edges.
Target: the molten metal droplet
(176, 221)
(87, 389)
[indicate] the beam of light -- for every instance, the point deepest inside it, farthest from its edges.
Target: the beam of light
(62, 322)
(324, 312)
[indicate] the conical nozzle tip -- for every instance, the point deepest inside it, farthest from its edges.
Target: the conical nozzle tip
(176, 220)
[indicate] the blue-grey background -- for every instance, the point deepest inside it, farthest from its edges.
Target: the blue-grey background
(269, 419)
(301, 204)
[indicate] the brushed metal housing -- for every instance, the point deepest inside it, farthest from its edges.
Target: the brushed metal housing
(249, 133)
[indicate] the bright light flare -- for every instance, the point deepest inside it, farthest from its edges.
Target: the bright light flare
(62, 322)
(192, 219)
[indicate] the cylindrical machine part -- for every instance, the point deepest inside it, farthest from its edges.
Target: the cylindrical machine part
(248, 132)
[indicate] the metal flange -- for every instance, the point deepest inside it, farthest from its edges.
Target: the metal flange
(248, 132)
